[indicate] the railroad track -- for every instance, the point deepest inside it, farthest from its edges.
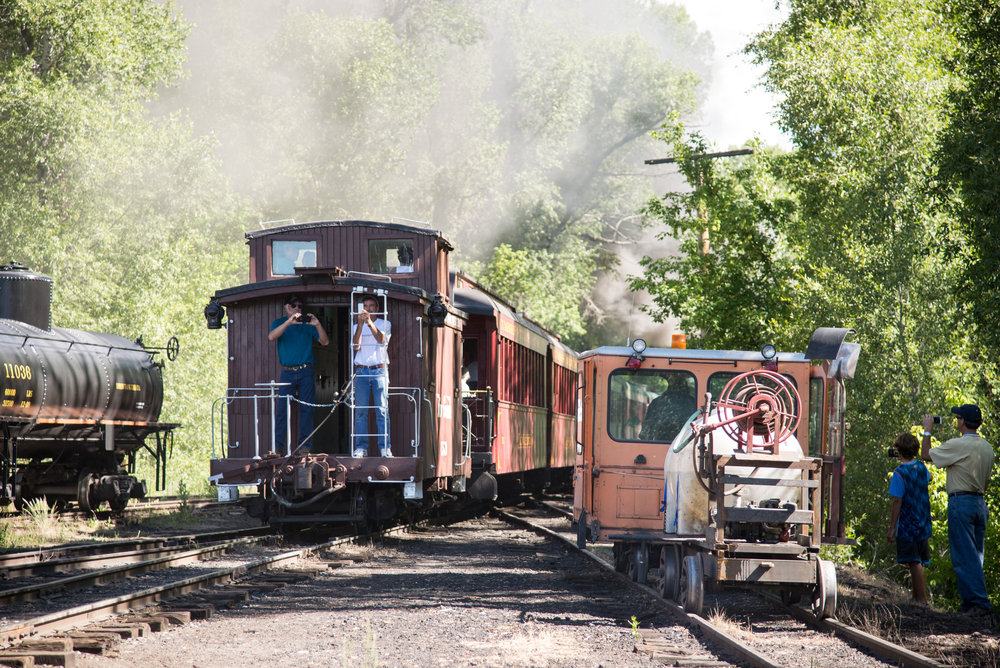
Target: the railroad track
(93, 625)
(755, 654)
(151, 505)
(82, 626)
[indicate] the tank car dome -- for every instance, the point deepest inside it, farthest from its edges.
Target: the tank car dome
(25, 296)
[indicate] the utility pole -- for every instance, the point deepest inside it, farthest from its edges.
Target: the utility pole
(702, 211)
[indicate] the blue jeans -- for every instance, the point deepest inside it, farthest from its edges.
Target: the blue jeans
(967, 517)
(302, 382)
(371, 390)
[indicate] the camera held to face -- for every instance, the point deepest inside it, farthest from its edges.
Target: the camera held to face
(302, 318)
(936, 419)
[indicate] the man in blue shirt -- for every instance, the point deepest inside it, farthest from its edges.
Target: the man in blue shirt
(295, 333)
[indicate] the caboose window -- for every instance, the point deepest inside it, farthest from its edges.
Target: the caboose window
(287, 255)
(649, 405)
(390, 256)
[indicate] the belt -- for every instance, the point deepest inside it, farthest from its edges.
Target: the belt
(964, 494)
(295, 368)
(362, 366)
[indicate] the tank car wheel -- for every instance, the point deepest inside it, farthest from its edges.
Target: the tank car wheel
(692, 585)
(621, 557)
(670, 567)
(118, 503)
(83, 485)
(824, 600)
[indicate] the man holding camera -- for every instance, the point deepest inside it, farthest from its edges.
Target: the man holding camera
(295, 333)
(370, 341)
(968, 461)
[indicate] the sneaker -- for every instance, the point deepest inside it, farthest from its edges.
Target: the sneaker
(386, 452)
(976, 611)
(360, 452)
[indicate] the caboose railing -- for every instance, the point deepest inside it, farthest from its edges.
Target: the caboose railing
(269, 393)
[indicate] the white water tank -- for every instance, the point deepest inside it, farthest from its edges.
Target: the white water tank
(687, 501)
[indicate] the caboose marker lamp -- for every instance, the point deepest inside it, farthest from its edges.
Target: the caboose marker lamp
(214, 313)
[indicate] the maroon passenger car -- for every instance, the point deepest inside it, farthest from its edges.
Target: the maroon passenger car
(521, 392)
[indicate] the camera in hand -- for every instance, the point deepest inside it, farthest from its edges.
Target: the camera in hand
(891, 452)
(302, 318)
(936, 419)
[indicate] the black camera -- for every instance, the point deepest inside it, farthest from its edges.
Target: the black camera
(936, 419)
(891, 452)
(302, 318)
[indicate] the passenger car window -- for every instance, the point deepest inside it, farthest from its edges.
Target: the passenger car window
(649, 405)
(390, 256)
(287, 255)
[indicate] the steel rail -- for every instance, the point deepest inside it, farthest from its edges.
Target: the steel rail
(105, 575)
(71, 618)
(880, 647)
(87, 561)
(13, 560)
(744, 652)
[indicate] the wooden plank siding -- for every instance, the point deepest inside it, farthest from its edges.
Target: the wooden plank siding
(423, 358)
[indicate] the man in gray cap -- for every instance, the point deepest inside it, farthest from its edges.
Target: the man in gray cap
(968, 461)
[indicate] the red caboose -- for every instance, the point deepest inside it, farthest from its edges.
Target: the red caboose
(331, 266)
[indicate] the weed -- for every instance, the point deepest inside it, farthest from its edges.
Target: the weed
(635, 626)
(719, 620)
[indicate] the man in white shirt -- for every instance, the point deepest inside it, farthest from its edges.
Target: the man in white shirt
(371, 377)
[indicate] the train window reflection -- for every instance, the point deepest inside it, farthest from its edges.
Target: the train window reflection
(390, 256)
(287, 255)
(649, 405)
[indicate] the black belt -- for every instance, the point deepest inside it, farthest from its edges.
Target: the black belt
(362, 366)
(295, 368)
(951, 494)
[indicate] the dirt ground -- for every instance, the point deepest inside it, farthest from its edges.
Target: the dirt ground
(883, 608)
(475, 594)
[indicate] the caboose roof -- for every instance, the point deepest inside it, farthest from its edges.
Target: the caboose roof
(408, 229)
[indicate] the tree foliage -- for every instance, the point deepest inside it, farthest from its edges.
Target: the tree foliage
(124, 211)
(747, 219)
(498, 123)
(859, 228)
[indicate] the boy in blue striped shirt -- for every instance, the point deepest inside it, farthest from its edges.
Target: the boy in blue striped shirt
(910, 518)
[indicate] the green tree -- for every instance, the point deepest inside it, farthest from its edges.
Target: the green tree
(861, 224)
(494, 122)
(750, 287)
(968, 159)
(124, 210)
